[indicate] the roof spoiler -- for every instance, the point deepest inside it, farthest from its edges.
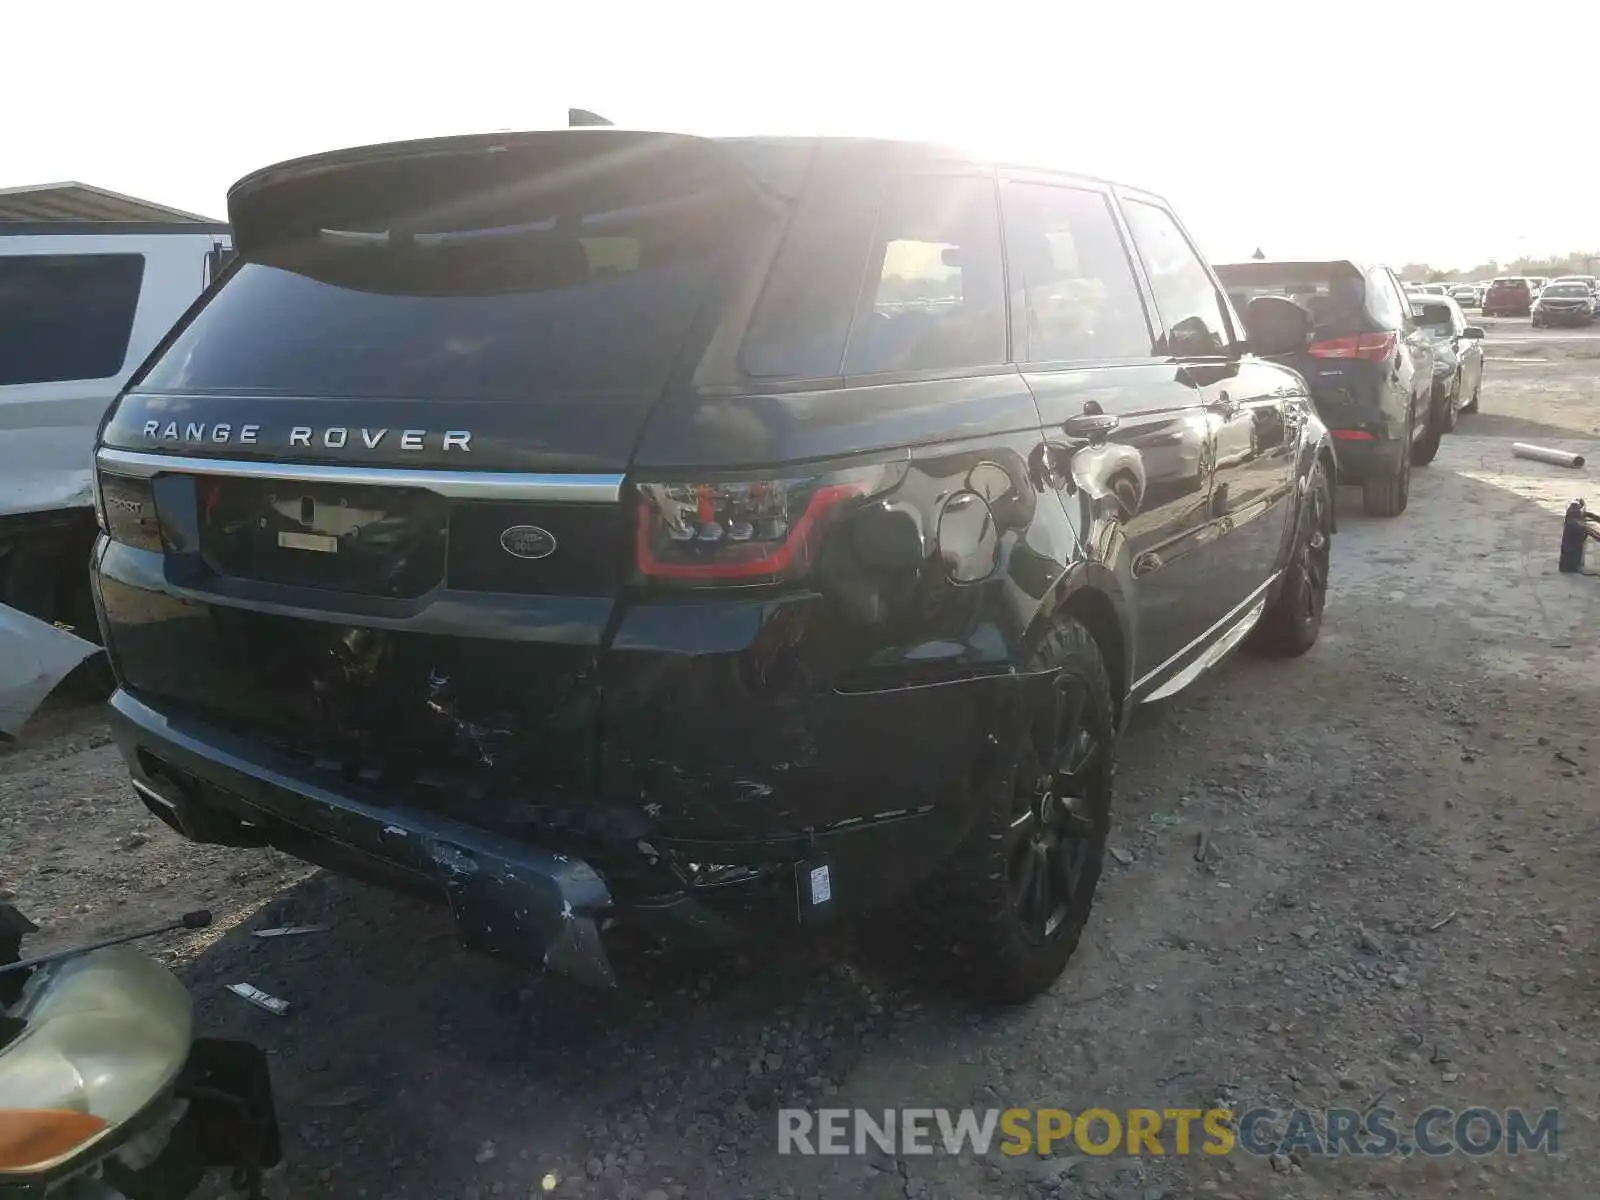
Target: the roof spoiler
(348, 189)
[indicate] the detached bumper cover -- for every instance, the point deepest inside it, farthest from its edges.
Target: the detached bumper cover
(506, 898)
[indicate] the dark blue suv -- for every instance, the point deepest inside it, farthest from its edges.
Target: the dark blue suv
(1369, 367)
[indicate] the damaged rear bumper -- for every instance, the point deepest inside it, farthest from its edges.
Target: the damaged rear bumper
(506, 898)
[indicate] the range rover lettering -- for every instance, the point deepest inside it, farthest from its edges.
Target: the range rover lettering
(712, 535)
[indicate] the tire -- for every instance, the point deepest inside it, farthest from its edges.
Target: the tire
(1018, 891)
(1389, 497)
(1452, 405)
(1425, 449)
(1472, 405)
(1290, 627)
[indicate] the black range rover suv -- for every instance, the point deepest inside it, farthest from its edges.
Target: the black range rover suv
(706, 534)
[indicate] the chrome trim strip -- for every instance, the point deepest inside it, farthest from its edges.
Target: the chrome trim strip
(1231, 617)
(155, 797)
(1215, 653)
(457, 485)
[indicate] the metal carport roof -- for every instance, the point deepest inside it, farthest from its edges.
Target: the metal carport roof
(72, 201)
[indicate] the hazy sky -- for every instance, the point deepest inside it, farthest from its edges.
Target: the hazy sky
(1412, 129)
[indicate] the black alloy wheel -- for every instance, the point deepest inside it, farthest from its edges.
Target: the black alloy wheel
(1019, 889)
(1290, 626)
(1053, 826)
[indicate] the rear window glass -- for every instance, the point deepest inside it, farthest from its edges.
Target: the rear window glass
(597, 302)
(1333, 294)
(1432, 316)
(66, 316)
(1509, 283)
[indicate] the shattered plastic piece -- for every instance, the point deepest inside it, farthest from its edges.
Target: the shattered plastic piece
(254, 995)
(34, 657)
(290, 931)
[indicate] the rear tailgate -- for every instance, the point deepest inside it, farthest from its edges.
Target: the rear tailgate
(386, 455)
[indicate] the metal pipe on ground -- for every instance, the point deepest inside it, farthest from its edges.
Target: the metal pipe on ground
(1544, 454)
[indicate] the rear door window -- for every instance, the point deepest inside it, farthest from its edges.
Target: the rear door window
(1385, 306)
(934, 297)
(1191, 309)
(1071, 275)
(66, 316)
(591, 299)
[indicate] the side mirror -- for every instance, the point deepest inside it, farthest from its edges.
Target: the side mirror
(1276, 325)
(1472, 331)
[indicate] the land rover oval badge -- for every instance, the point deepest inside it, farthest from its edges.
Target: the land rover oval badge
(528, 541)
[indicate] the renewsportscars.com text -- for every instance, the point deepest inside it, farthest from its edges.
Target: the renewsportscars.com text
(1379, 1132)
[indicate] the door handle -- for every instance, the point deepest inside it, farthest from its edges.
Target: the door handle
(1090, 427)
(1223, 406)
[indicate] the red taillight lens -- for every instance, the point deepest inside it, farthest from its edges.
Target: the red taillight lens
(746, 531)
(1368, 347)
(1352, 435)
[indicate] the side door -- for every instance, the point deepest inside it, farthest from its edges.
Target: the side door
(1085, 345)
(1245, 402)
(1470, 352)
(1417, 352)
(1390, 311)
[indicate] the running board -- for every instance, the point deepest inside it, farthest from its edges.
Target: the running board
(1218, 650)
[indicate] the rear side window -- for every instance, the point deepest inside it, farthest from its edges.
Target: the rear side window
(934, 296)
(598, 300)
(1384, 304)
(1191, 309)
(1071, 275)
(67, 316)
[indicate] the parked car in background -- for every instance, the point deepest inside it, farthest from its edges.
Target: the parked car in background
(1369, 366)
(1434, 289)
(82, 302)
(594, 526)
(1509, 296)
(1457, 358)
(1565, 304)
(1467, 295)
(1592, 282)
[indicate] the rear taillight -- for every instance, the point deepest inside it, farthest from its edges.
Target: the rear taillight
(1368, 347)
(127, 511)
(748, 530)
(1352, 435)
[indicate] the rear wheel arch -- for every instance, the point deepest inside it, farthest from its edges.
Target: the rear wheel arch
(1330, 471)
(1091, 595)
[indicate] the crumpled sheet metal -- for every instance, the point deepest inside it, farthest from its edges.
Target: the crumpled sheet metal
(34, 658)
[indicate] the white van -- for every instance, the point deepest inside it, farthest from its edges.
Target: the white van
(81, 305)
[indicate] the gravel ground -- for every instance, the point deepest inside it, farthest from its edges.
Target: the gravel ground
(1390, 910)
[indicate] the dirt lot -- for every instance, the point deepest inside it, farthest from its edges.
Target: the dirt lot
(1394, 910)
